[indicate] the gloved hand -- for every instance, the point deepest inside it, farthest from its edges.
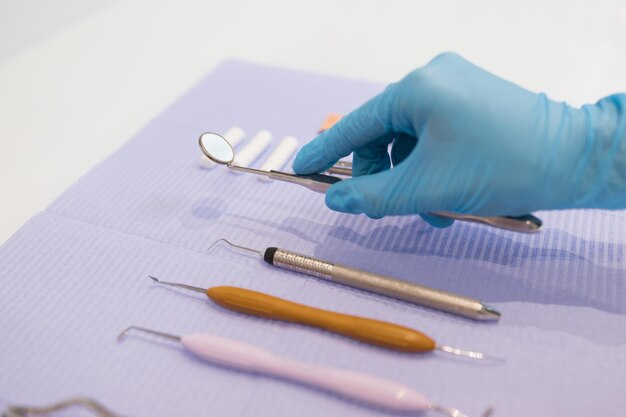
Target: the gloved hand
(466, 141)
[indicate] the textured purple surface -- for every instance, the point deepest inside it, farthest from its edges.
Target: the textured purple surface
(76, 275)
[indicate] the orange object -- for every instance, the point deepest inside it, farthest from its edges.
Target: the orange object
(376, 332)
(330, 120)
(380, 333)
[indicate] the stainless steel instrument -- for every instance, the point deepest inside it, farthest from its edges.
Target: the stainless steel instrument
(218, 149)
(376, 283)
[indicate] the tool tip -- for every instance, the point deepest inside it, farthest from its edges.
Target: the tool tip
(489, 313)
(155, 279)
(123, 334)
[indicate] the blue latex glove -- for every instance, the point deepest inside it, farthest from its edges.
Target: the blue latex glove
(464, 140)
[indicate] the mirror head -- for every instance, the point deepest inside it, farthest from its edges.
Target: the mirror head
(216, 148)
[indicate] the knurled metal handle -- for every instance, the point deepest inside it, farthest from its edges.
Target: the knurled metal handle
(302, 264)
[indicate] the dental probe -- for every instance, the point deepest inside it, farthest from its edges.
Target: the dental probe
(368, 389)
(376, 332)
(376, 283)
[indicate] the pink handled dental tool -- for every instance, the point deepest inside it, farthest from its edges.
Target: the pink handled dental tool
(377, 392)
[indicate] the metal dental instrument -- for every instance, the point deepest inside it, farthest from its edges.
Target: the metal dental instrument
(524, 224)
(280, 155)
(376, 283)
(86, 403)
(376, 332)
(343, 168)
(218, 149)
(363, 388)
(234, 135)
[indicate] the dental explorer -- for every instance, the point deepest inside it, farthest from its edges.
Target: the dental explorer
(375, 332)
(376, 283)
(219, 150)
(363, 388)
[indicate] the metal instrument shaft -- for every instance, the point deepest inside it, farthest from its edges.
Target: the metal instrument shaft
(376, 283)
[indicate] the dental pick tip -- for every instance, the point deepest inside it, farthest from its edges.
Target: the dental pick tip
(232, 245)
(175, 284)
(168, 336)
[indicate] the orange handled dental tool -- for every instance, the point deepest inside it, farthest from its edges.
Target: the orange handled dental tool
(376, 332)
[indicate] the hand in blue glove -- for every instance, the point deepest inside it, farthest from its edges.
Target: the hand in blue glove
(466, 141)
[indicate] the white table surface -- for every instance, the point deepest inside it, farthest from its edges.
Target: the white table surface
(78, 78)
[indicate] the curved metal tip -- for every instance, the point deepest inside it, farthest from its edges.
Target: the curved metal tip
(125, 332)
(217, 242)
(232, 245)
(175, 284)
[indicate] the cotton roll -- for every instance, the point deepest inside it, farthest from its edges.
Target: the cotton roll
(280, 156)
(249, 153)
(234, 135)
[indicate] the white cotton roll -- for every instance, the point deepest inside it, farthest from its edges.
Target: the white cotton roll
(280, 156)
(249, 153)
(234, 135)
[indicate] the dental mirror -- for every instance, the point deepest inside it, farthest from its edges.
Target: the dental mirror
(219, 150)
(216, 148)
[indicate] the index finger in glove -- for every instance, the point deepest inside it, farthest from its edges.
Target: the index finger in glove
(368, 123)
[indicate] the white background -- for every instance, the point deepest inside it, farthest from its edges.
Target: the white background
(78, 78)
